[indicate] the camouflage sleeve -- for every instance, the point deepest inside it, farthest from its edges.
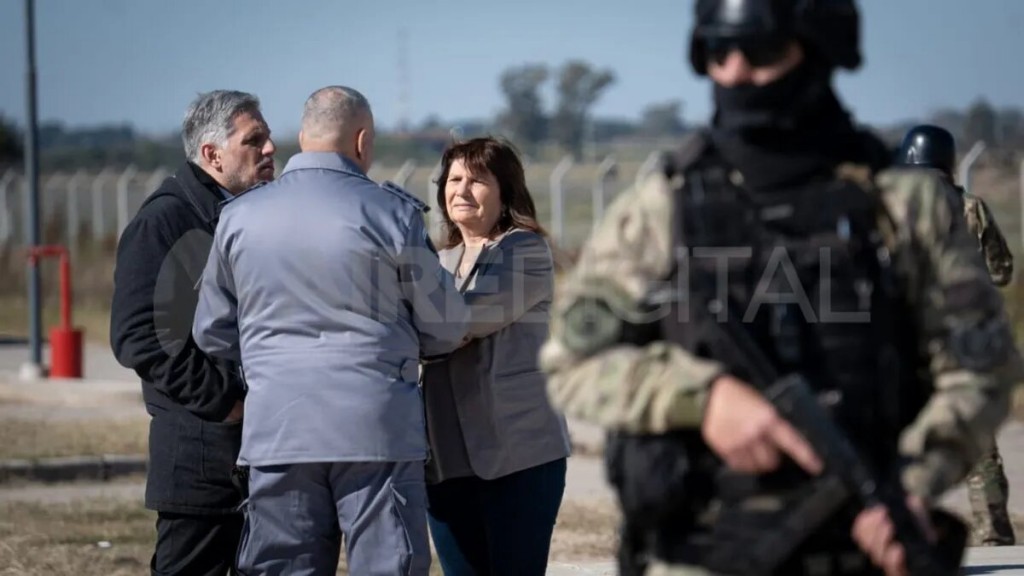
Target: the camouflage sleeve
(964, 330)
(997, 253)
(597, 376)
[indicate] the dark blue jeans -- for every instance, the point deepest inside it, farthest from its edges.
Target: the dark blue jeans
(501, 526)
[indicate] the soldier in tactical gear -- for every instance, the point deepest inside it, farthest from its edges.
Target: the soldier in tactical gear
(928, 146)
(783, 219)
(933, 147)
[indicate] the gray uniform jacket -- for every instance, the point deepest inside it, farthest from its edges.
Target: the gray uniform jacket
(326, 287)
(487, 406)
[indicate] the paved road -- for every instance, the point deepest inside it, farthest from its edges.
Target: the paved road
(1003, 561)
(98, 362)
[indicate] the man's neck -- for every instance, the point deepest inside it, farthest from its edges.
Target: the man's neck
(218, 178)
(329, 148)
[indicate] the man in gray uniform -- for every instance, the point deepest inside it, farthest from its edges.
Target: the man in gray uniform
(326, 287)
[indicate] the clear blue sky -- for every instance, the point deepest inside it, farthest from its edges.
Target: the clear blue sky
(141, 61)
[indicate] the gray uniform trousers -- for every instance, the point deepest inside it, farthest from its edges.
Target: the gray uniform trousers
(296, 515)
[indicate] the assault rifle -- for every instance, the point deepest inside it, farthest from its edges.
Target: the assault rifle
(845, 474)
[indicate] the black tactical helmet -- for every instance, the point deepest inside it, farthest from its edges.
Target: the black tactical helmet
(829, 27)
(928, 146)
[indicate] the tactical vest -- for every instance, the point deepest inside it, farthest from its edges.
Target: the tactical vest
(805, 272)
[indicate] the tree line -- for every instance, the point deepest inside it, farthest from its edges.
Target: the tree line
(527, 118)
(569, 122)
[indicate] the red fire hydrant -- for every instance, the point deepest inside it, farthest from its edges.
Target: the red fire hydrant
(65, 340)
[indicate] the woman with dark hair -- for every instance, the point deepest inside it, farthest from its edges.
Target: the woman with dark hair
(497, 466)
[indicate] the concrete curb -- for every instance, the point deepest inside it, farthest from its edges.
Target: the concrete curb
(71, 468)
(582, 569)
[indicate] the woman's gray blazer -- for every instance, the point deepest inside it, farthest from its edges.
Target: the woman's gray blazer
(493, 387)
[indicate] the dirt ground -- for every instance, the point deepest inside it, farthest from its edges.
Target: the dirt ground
(102, 529)
(57, 529)
(43, 439)
(46, 529)
(86, 537)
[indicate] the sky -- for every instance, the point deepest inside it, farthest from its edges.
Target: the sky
(141, 61)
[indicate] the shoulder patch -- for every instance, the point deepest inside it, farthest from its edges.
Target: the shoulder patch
(407, 197)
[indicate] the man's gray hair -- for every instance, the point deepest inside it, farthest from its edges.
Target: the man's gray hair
(211, 119)
(334, 111)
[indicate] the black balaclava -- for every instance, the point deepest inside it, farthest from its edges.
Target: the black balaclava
(786, 131)
(780, 105)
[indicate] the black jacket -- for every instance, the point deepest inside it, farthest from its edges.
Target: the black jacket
(160, 258)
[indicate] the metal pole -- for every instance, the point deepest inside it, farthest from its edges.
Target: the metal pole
(557, 220)
(34, 368)
(968, 162)
(605, 171)
(1022, 202)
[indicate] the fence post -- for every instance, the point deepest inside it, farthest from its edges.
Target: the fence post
(557, 193)
(607, 170)
(648, 166)
(967, 164)
(154, 180)
(435, 222)
(49, 205)
(73, 219)
(98, 218)
(122, 197)
(403, 174)
(6, 222)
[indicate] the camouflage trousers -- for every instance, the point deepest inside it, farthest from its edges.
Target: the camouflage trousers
(988, 491)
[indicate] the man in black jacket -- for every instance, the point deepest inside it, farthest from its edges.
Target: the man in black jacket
(195, 401)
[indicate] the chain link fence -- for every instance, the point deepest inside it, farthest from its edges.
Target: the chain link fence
(94, 206)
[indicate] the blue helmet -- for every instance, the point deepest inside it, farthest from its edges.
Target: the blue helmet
(930, 147)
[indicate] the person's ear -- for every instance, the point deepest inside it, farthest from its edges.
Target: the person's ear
(362, 141)
(211, 155)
